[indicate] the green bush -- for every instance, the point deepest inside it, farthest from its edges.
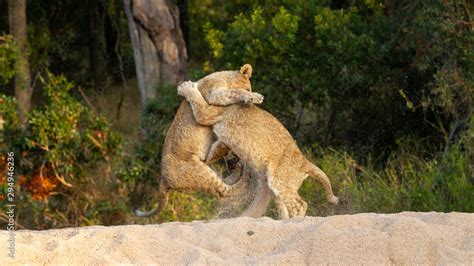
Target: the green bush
(8, 54)
(63, 142)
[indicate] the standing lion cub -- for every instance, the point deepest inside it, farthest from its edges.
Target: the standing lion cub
(183, 165)
(264, 144)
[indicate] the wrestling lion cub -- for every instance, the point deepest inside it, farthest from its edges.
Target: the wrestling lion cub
(187, 143)
(264, 144)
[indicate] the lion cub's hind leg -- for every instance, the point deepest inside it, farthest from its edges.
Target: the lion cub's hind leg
(289, 205)
(277, 189)
(281, 207)
(296, 206)
(284, 183)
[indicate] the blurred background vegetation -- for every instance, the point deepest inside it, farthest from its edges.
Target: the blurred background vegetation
(379, 94)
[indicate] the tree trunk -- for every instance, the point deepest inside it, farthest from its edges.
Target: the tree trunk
(23, 89)
(158, 45)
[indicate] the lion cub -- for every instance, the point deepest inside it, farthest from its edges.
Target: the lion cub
(187, 143)
(264, 144)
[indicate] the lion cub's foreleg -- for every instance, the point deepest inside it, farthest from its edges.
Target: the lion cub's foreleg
(224, 97)
(206, 114)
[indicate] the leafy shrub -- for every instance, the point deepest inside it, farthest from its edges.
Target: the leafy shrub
(8, 54)
(62, 141)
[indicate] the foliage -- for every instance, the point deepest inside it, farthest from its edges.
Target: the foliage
(61, 142)
(8, 55)
(200, 13)
(10, 122)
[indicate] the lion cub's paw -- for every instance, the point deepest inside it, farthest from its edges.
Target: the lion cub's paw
(255, 98)
(334, 200)
(187, 88)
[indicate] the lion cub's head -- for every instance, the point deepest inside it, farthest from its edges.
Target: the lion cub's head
(238, 80)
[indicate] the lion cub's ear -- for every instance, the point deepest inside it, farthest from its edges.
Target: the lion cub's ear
(246, 71)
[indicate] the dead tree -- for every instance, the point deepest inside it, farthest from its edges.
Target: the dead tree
(158, 45)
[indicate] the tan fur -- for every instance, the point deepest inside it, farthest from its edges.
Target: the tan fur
(265, 145)
(187, 143)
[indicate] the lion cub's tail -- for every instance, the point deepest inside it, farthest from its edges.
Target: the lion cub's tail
(163, 196)
(239, 182)
(146, 213)
(320, 176)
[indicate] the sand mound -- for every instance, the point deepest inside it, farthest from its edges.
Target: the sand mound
(408, 238)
